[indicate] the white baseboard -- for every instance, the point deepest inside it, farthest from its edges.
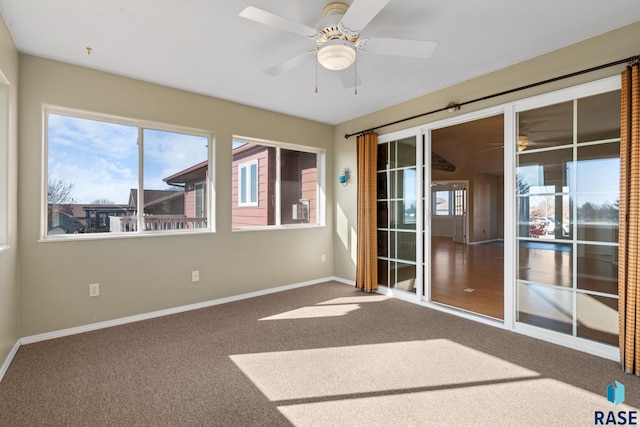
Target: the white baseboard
(9, 359)
(344, 281)
(166, 312)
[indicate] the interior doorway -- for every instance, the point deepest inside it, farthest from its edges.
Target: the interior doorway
(467, 216)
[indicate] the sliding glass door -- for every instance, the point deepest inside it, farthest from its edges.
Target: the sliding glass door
(510, 215)
(398, 211)
(567, 184)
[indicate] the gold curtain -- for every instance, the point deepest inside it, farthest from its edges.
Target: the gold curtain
(367, 266)
(629, 239)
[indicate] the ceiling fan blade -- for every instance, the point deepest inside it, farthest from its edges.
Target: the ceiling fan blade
(399, 47)
(262, 16)
(359, 14)
(290, 63)
(349, 79)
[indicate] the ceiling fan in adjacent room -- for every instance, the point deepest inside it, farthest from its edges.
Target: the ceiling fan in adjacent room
(336, 37)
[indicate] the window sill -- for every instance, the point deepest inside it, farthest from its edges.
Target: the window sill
(277, 227)
(110, 236)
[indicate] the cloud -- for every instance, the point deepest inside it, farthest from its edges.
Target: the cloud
(101, 159)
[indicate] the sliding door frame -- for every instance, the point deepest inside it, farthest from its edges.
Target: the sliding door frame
(576, 92)
(509, 200)
(422, 133)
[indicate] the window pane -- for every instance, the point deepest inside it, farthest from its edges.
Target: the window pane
(383, 272)
(278, 186)
(606, 107)
(548, 126)
(254, 182)
(383, 156)
(545, 307)
(546, 168)
(545, 262)
(243, 184)
(598, 318)
(406, 152)
(173, 164)
(382, 185)
(403, 276)
(441, 202)
(598, 268)
(201, 200)
(383, 243)
(92, 176)
(383, 214)
(597, 217)
(299, 177)
(406, 246)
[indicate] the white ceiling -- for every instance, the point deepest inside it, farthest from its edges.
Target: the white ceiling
(203, 46)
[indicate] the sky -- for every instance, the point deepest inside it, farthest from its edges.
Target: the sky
(100, 159)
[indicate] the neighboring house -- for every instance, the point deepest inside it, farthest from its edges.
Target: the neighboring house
(158, 202)
(254, 186)
(194, 182)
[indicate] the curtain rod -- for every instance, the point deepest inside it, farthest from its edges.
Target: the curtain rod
(449, 106)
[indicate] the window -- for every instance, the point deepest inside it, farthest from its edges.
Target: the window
(276, 184)
(248, 184)
(442, 203)
(97, 164)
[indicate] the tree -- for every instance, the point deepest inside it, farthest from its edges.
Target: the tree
(58, 191)
(103, 202)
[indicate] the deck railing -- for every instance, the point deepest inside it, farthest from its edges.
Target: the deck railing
(124, 224)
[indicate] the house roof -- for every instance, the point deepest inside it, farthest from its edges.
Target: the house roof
(194, 173)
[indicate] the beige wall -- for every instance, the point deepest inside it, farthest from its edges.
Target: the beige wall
(610, 47)
(143, 274)
(9, 315)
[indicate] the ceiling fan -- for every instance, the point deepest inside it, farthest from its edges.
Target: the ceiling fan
(337, 36)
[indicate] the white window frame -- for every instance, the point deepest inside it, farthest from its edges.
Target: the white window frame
(320, 184)
(141, 125)
(248, 183)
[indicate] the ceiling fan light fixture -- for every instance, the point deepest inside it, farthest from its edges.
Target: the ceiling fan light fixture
(336, 54)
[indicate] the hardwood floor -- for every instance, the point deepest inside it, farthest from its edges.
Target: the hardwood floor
(469, 277)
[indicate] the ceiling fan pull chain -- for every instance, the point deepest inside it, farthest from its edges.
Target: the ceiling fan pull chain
(316, 72)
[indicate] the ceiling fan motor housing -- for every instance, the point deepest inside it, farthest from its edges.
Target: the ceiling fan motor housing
(336, 51)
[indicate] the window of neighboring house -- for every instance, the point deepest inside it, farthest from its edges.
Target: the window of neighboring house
(201, 199)
(276, 184)
(248, 183)
(96, 166)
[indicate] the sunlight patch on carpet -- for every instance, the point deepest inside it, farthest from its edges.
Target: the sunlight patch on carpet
(315, 311)
(502, 404)
(356, 300)
(340, 371)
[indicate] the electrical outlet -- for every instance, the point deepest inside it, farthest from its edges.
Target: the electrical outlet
(94, 289)
(195, 276)
(323, 258)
